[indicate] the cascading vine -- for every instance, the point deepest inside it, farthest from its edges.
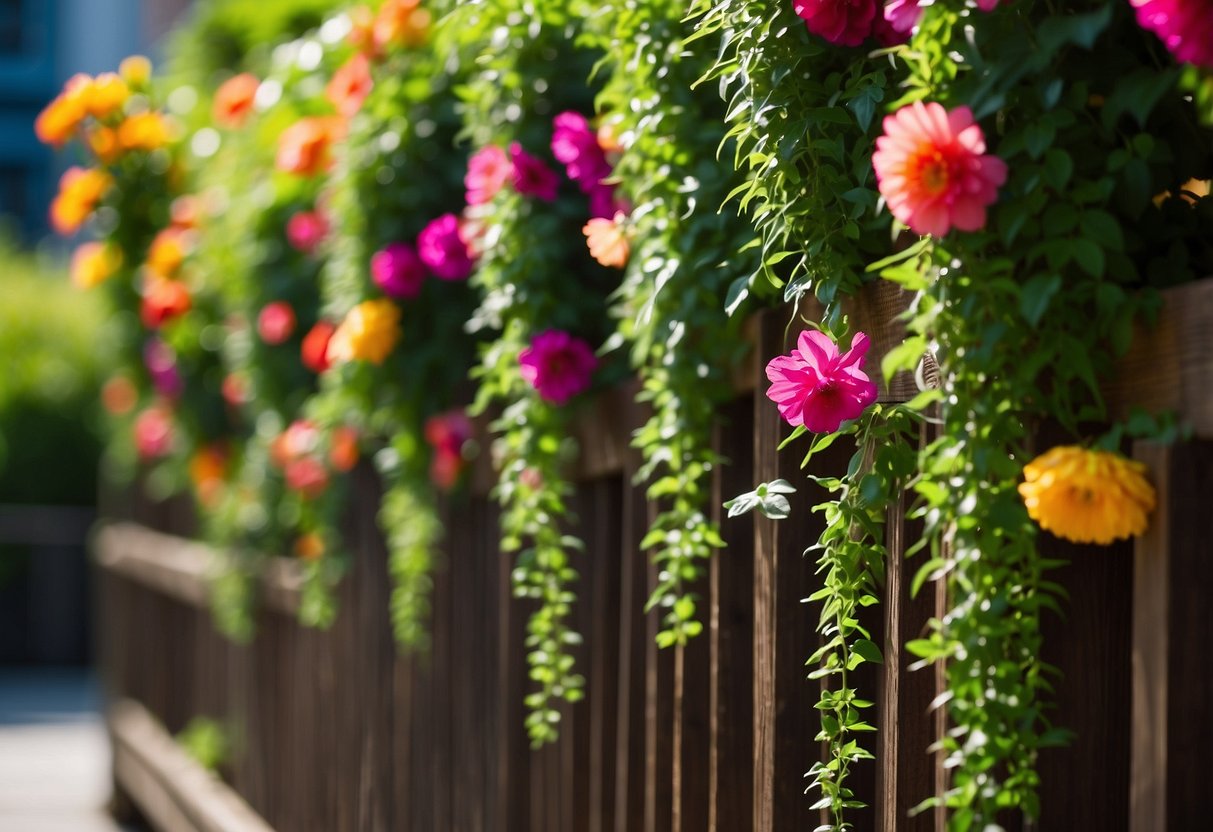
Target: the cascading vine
(542, 298)
(680, 254)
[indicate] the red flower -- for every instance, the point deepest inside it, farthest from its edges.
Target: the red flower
(305, 148)
(164, 300)
(307, 476)
(351, 84)
(314, 351)
(234, 100)
(276, 322)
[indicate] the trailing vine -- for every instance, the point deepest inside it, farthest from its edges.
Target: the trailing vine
(541, 295)
(684, 253)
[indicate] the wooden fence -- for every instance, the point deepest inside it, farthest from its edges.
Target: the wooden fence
(337, 731)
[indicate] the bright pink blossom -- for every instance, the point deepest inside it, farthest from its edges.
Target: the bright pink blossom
(488, 171)
(558, 365)
(305, 231)
(398, 270)
(933, 170)
(276, 322)
(1185, 26)
(154, 432)
(902, 15)
(987, 5)
(441, 247)
(531, 176)
(447, 433)
(819, 388)
(841, 22)
(575, 145)
(161, 362)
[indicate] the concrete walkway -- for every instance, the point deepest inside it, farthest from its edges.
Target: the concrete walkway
(54, 757)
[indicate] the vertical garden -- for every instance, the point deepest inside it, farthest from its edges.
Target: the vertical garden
(433, 242)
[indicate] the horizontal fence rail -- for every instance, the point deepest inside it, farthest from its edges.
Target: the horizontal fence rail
(335, 730)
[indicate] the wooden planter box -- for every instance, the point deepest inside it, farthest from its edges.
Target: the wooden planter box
(336, 731)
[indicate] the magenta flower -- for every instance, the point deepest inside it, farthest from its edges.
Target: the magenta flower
(531, 176)
(1185, 26)
(441, 247)
(558, 365)
(575, 144)
(161, 362)
(603, 202)
(488, 171)
(398, 271)
(841, 22)
(305, 231)
(817, 387)
(901, 16)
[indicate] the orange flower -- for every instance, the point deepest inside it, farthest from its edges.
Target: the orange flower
(136, 70)
(105, 95)
(104, 143)
(93, 264)
(164, 300)
(119, 395)
(168, 251)
(144, 131)
(186, 211)
(351, 84)
(343, 449)
(59, 120)
(309, 546)
(208, 470)
(304, 148)
(362, 31)
(368, 333)
(401, 22)
(1087, 496)
(234, 100)
(80, 189)
(607, 241)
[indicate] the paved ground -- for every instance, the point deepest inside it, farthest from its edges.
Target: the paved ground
(54, 759)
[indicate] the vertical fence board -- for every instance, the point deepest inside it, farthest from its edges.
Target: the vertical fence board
(730, 793)
(630, 746)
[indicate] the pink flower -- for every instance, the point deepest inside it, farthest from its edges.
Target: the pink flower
(933, 170)
(817, 387)
(902, 15)
(276, 322)
(531, 176)
(1185, 26)
(575, 144)
(398, 271)
(987, 5)
(161, 363)
(488, 171)
(441, 247)
(447, 433)
(603, 202)
(558, 365)
(154, 432)
(305, 231)
(841, 22)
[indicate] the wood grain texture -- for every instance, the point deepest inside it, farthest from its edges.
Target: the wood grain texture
(171, 789)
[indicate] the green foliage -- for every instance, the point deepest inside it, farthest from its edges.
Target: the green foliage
(49, 332)
(686, 253)
(207, 741)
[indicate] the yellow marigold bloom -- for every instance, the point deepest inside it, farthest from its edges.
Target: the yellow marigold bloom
(1087, 496)
(94, 263)
(136, 70)
(144, 131)
(368, 333)
(59, 120)
(104, 144)
(168, 251)
(105, 95)
(80, 190)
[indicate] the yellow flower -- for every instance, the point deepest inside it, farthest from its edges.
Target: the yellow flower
(106, 95)
(368, 333)
(94, 263)
(1087, 496)
(144, 131)
(136, 70)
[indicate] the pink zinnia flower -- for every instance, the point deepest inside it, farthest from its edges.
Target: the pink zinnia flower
(933, 169)
(488, 171)
(305, 231)
(398, 271)
(276, 322)
(1185, 26)
(558, 365)
(575, 144)
(441, 247)
(531, 176)
(841, 22)
(817, 387)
